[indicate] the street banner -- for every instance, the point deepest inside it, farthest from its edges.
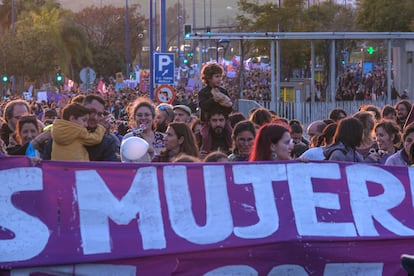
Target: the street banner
(264, 218)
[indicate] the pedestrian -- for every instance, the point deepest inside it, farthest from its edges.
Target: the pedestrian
(389, 112)
(212, 96)
(261, 116)
(403, 107)
(13, 111)
(272, 142)
(215, 134)
(337, 114)
(320, 141)
(182, 114)
(142, 114)
(243, 136)
(27, 128)
(388, 138)
(70, 134)
(347, 138)
(368, 143)
(164, 115)
(216, 156)
(179, 139)
(401, 157)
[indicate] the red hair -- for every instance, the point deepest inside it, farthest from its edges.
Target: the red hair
(268, 134)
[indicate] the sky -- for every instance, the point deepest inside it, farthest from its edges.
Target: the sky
(220, 9)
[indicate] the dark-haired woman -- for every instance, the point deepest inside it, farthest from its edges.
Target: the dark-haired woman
(388, 139)
(243, 136)
(179, 139)
(347, 138)
(27, 129)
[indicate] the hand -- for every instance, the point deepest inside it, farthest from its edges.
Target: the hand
(302, 159)
(43, 137)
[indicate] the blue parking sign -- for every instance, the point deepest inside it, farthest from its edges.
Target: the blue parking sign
(164, 68)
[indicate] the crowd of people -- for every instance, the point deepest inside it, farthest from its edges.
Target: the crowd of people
(202, 128)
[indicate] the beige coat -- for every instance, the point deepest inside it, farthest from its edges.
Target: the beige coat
(70, 139)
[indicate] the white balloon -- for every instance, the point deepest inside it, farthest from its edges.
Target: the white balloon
(133, 148)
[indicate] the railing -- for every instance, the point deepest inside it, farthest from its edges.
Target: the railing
(307, 112)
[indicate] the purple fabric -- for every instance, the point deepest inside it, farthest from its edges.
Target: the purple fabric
(259, 218)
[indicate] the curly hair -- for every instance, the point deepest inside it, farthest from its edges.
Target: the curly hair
(209, 70)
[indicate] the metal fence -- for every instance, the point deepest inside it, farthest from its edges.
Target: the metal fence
(307, 112)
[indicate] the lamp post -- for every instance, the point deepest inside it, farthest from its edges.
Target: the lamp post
(179, 31)
(127, 58)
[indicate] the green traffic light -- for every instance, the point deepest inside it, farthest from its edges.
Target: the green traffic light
(185, 61)
(59, 78)
(5, 78)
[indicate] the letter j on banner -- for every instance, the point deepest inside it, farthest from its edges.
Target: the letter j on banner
(164, 68)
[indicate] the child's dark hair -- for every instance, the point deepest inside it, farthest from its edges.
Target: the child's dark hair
(74, 109)
(209, 70)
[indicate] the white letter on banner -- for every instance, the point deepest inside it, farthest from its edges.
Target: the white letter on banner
(365, 207)
(261, 178)
(288, 269)
(230, 270)
(31, 234)
(305, 200)
(97, 204)
(219, 222)
(411, 176)
(345, 269)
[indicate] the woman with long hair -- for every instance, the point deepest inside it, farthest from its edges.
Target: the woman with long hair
(402, 156)
(179, 139)
(347, 138)
(27, 128)
(243, 138)
(272, 142)
(388, 139)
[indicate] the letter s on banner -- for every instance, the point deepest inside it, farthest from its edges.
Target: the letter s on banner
(31, 234)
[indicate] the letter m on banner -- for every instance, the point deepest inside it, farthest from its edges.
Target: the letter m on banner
(164, 68)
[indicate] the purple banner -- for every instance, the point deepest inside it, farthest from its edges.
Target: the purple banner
(316, 218)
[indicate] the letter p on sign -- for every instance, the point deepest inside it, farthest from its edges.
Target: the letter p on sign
(164, 61)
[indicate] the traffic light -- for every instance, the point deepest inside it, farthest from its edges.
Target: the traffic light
(5, 78)
(187, 31)
(208, 29)
(370, 50)
(190, 56)
(59, 78)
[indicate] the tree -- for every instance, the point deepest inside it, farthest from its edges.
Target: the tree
(44, 39)
(385, 15)
(105, 32)
(269, 17)
(331, 17)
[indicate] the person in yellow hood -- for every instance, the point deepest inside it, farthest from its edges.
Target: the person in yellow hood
(70, 135)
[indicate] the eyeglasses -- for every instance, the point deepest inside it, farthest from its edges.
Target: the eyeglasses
(143, 115)
(95, 112)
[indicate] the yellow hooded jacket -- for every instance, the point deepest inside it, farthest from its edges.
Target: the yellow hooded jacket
(70, 139)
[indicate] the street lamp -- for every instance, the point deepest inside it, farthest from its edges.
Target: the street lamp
(127, 57)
